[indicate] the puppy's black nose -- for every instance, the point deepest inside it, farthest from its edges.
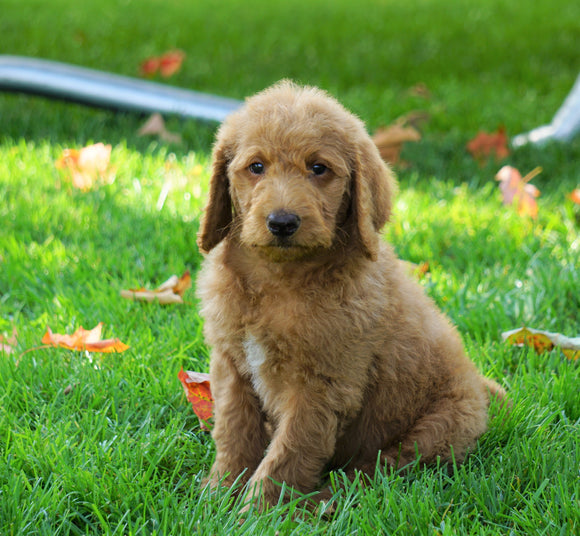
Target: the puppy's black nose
(283, 224)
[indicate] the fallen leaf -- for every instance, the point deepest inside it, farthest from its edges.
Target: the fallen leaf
(149, 67)
(155, 126)
(420, 90)
(82, 339)
(418, 270)
(85, 166)
(485, 146)
(517, 190)
(543, 341)
(575, 196)
(170, 62)
(171, 291)
(390, 139)
(167, 64)
(7, 343)
(197, 390)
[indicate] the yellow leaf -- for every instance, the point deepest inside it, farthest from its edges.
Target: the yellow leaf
(543, 341)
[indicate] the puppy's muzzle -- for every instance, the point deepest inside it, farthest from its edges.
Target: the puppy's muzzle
(283, 224)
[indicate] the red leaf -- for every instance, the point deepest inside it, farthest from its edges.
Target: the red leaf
(149, 67)
(197, 390)
(170, 62)
(82, 339)
(485, 146)
(167, 64)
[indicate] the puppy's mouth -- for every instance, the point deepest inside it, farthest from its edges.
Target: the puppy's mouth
(284, 249)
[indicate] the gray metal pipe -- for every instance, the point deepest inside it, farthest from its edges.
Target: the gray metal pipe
(106, 90)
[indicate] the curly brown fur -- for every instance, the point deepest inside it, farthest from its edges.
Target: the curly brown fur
(316, 330)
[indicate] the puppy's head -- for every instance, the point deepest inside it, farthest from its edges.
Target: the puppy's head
(294, 173)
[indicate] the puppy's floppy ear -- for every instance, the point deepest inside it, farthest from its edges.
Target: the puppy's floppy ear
(373, 188)
(217, 216)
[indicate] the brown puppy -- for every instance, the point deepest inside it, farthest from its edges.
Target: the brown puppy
(316, 329)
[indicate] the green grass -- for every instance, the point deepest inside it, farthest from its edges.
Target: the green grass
(111, 446)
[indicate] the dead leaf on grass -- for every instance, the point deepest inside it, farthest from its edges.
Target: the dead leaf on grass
(7, 343)
(420, 90)
(166, 65)
(155, 126)
(516, 190)
(87, 165)
(489, 145)
(543, 341)
(83, 339)
(197, 390)
(390, 140)
(171, 291)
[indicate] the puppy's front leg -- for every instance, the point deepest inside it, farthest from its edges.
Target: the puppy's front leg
(239, 432)
(303, 443)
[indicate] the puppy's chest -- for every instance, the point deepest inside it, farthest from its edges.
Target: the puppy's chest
(255, 356)
(270, 369)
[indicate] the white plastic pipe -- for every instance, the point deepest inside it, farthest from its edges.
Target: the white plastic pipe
(105, 90)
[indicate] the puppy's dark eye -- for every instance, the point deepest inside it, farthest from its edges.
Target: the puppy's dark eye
(257, 168)
(319, 169)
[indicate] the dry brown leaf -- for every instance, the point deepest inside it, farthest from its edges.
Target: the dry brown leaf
(171, 291)
(82, 339)
(155, 126)
(390, 139)
(420, 90)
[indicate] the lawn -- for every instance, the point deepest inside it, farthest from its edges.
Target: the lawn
(107, 443)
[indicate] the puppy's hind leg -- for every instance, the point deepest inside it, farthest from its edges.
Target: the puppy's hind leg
(449, 430)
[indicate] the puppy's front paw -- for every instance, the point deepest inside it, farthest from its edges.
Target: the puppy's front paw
(220, 476)
(262, 493)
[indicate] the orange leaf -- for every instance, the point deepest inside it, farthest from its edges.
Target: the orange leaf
(485, 145)
(198, 393)
(418, 270)
(183, 283)
(86, 165)
(82, 339)
(575, 196)
(171, 291)
(516, 190)
(543, 341)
